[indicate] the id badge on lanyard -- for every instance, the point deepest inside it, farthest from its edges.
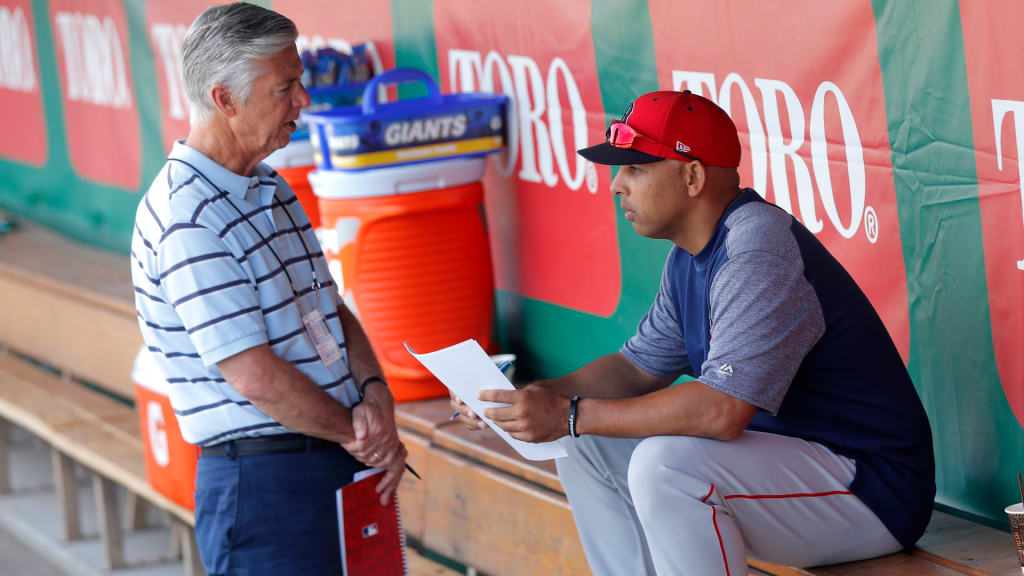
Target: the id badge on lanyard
(316, 326)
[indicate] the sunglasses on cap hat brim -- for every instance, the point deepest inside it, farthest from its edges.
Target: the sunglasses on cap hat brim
(625, 145)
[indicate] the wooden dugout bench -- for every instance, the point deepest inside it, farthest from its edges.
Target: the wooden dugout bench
(69, 335)
(68, 339)
(67, 320)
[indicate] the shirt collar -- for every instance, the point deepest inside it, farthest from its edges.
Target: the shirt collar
(235, 185)
(702, 258)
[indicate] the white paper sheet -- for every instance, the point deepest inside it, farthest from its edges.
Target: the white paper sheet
(466, 369)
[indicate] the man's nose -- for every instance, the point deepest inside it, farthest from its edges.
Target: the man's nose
(301, 99)
(617, 187)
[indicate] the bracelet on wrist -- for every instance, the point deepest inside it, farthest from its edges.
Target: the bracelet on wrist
(367, 382)
(573, 407)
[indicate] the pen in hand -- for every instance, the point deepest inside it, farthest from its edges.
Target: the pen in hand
(413, 472)
(501, 368)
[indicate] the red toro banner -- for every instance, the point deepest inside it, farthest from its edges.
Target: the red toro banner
(550, 210)
(91, 42)
(166, 23)
(21, 102)
(993, 51)
(340, 24)
(814, 135)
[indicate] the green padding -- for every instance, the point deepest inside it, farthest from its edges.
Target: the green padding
(415, 47)
(979, 446)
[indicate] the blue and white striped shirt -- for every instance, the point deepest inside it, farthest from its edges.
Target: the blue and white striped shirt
(207, 287)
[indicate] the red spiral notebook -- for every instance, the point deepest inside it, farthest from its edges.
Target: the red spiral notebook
(372, 539)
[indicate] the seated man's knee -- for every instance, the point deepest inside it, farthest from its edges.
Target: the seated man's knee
(663, 463)
(647, 467)
(681, 453)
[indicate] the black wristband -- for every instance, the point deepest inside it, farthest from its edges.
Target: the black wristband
(573, 402)
(367, 382)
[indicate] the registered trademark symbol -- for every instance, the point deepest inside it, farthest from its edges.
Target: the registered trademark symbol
(591, 173)
(871, 224)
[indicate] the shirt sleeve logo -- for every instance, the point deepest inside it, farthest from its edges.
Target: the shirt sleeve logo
(725, 370)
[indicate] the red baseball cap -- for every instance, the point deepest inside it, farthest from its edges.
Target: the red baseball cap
(668, 124)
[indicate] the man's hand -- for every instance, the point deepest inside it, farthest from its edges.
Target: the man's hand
(373, 423)
(466, 415)
(376, 440)
(394, 467)
(534, 414)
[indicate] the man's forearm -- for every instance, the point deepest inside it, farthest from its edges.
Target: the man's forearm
(285, 394)
(609, 376)
(362, 362)
(688, 409)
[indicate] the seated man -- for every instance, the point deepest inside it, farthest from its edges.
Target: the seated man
(802, 439)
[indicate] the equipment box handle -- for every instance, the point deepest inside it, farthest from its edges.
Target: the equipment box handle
(398, 76)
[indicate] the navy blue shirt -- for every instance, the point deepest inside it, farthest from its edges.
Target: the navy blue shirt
(764, 313)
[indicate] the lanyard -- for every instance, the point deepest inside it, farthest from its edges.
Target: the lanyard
(309, 256)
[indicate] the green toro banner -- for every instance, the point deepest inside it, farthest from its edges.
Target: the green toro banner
(893, 130)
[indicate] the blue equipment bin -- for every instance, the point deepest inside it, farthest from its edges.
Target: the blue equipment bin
(325, 98)
(438, 126)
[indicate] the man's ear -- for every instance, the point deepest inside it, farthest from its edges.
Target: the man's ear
(223, 100)
(695, 176)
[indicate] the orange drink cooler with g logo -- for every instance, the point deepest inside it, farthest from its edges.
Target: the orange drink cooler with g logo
(170, 461)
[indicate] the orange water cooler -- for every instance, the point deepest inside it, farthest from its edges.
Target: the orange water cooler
(170, 461)
(408, 249)
(400, 199)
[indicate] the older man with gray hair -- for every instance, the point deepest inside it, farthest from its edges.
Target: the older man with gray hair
(269, 372)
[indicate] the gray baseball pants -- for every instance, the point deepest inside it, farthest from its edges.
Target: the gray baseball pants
(678, 505)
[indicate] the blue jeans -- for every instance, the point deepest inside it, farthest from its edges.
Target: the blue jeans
(271, 514)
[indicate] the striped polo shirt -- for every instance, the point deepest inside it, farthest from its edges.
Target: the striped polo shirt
(208, 286)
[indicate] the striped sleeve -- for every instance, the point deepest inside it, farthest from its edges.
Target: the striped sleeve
(210, 292)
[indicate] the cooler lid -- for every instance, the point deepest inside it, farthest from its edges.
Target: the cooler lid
(146, 373)
(402, 179)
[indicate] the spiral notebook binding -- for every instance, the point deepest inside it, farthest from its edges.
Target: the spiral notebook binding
(401, 532)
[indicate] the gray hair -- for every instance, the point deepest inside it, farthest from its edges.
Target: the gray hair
(222, 47)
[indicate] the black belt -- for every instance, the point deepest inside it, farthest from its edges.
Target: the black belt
(273, 444)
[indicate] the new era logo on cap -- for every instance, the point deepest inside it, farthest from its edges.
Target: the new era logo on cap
(680, 147)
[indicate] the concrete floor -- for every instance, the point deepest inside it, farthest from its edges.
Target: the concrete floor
(18, 560)
(31, 534)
